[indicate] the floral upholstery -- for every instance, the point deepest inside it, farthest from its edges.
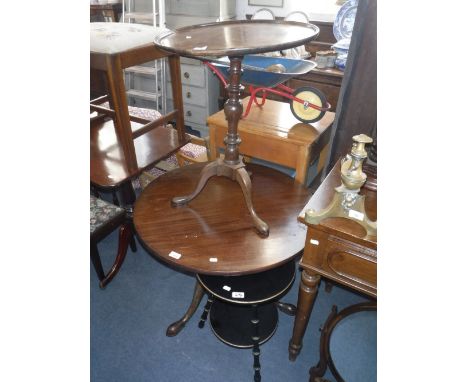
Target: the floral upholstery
(141, 112)
(102, 212)
(110, 38)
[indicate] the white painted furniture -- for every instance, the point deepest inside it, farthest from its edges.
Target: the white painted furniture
(146, 83)
(200, 88)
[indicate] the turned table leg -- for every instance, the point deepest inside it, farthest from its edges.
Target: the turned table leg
(286, 308)
(206, 310)
(255, 340)
(177, 326)
(307, 293)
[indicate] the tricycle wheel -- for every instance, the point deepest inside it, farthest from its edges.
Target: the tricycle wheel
(312, 96)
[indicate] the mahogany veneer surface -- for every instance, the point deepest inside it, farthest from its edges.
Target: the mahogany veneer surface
(216, 224)
(108, 166)
(238, 37)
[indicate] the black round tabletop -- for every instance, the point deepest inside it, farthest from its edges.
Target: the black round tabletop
(251, 289)
(237, 38)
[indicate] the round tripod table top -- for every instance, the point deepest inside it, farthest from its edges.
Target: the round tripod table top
(214, 233)
(236, 38)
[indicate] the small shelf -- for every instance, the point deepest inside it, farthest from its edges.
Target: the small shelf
(142, 94)
(140, 16)
(147, 70)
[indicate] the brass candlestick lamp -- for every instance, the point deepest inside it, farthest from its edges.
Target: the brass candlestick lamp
(347, 202)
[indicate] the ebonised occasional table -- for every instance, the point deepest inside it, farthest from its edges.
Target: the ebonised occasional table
(234, 39)
(242, 273)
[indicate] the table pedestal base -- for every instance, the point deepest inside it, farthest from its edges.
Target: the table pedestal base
(233, 325)
(236, 172)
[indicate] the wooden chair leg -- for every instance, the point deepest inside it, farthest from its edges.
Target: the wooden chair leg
(96, 260)
(124, 238)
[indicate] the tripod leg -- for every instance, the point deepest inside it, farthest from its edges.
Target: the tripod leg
(208, 171)
(177, 326)
(243, 179)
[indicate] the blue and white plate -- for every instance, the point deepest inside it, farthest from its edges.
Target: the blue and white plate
(344, 21)
(342, 46)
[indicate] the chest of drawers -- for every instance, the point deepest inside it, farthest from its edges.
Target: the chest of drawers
(200, 92)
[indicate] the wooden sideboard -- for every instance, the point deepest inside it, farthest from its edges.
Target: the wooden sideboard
(337, 249)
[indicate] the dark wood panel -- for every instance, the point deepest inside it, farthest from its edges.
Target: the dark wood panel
(326, 32)
(108, 167)
(326, 29)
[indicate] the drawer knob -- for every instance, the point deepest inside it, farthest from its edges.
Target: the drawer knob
(186, 75)
(189, 113)
(189, 95)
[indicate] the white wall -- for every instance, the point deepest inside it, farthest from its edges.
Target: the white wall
(319, 10)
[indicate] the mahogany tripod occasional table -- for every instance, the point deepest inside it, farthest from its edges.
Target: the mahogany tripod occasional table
(242, 273)
(234, 39)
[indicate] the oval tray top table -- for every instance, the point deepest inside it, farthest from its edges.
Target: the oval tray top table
(234, 39)
(241, 272)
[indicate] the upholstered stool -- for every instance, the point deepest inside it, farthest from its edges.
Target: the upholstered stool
(104, 219)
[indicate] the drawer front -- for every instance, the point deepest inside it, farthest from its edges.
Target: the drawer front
(192, 113)
(192, 75)
(345, 262)
(190, 94)
(273, 150)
